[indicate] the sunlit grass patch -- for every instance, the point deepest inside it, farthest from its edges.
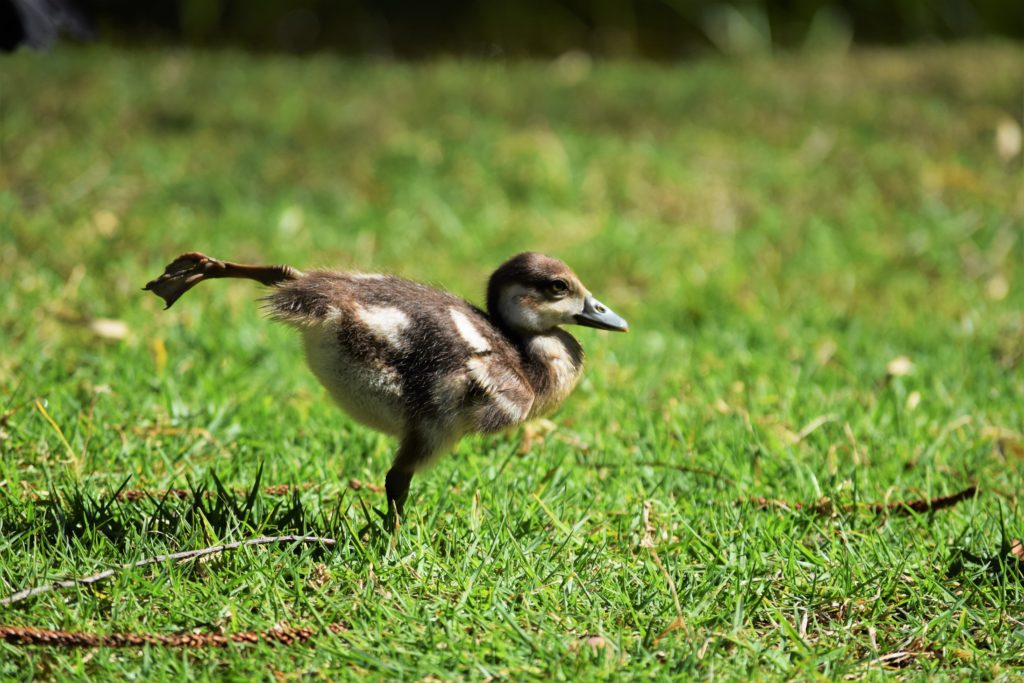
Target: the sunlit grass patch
(821, 261)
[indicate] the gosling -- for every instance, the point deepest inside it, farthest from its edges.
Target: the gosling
(420, 363)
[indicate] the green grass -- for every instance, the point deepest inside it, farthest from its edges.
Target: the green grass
(776, 233)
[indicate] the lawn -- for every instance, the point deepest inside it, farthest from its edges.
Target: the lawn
(822, 261)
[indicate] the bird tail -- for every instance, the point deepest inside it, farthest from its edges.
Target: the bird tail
(308, 301)
(188, 270)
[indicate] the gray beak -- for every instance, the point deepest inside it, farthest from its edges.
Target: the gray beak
(596, 314)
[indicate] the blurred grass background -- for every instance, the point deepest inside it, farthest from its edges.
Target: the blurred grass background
(777, 232)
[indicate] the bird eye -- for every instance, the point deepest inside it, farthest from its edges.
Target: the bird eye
(558, 287)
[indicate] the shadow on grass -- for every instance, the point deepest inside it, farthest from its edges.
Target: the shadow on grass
(1002, 567)
(70, 513)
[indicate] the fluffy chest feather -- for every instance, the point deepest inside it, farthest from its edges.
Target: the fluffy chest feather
(555, 364)
(368, 389)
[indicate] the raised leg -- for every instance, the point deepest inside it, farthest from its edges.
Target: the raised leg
(188, 270)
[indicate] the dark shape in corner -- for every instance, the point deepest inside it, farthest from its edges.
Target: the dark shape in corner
(38, 23)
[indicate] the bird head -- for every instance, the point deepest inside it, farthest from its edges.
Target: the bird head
(532, 294)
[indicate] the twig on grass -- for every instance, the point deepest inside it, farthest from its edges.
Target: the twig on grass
(825, 506)
(905, 507)
(689, 469)
(279, 635)
(132, 495)
(184, 555)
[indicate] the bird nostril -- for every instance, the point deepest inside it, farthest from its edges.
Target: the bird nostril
(600, 309)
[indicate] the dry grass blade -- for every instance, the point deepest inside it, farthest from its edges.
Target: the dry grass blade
(75, 460)
(900, 659)
(680, 468)
(648, 542)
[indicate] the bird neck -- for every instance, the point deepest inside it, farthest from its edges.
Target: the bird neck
(553, 362)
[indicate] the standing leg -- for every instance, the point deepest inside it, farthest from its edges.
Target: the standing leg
(413, 452)
(397, 486)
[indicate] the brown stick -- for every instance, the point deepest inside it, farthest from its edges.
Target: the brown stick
(189, 269)
(899, 507)
(281, 635)
(905, 507)
(184, 555)
(133, 495)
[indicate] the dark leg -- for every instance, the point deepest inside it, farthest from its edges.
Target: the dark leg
(188, 270)
(397, 486)
(413, 450)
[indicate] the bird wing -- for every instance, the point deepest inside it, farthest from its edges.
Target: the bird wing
(502, 396)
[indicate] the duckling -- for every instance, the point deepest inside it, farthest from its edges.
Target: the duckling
(420, 363)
